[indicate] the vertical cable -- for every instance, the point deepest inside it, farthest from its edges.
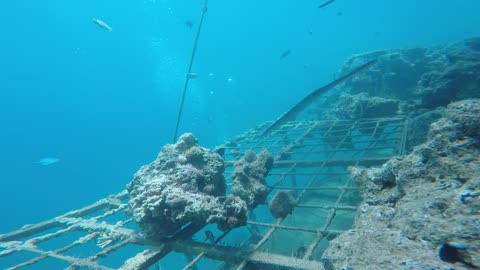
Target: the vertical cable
(187, 77)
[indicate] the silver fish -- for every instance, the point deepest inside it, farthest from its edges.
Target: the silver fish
(192, 75)
(102, 24)
(47, 161)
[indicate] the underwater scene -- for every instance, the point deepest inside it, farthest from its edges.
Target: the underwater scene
(205, 134)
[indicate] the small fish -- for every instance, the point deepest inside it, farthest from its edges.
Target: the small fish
(339, 14)
(210, 237)
(285, 54)
(102, 24)
(47, 161)
(192, 75)
(326, 4)
(189, 24)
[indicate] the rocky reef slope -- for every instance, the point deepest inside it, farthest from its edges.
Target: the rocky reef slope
(414, 82)
(422, 210)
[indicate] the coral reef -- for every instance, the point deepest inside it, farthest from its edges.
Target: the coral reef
(185, 184)
(397, 73)
(282, 204)
(249, 177)
(361, 105)
(460, 80)
(422, 210)
(419, 81)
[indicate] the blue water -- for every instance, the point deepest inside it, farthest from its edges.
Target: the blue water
(105, 103)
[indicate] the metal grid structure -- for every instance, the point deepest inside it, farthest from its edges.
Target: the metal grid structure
(311, 159)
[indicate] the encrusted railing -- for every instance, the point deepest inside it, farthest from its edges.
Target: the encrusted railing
(311, 160)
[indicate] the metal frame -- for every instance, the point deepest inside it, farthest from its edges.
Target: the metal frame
(311, 159)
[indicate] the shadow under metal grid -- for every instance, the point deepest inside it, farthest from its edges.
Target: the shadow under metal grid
(311, 160)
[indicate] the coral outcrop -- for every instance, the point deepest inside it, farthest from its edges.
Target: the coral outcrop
(249, 177)
(420, 77)
(422, 210)
(361, 106)
(282, 204)
(397, 73)
(185, 184)
(459, 80)
(416, 82)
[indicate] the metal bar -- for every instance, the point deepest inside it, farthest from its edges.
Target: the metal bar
(310, 173)
(42, 238)
(330, 162)
(235, 256)
(75, 261)
(259, 243)
(298, 142)
(28, 230)
(273, 145)
(325, 162)
(296, 139)
(82, 240)
(321, 234)
(97, 206)
(393, 147)
(321, 144)
(280, 220)
(311, 188)
(200, 255)
(333, 210)
(395, 126)
(403, 142)
(146, 258)
(347, 208)
(294, 228)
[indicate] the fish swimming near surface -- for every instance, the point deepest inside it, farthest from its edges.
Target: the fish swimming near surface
(189, 24)
(326, 3)
(47, 161)
(192, 75)
(102, 24)
(299, 107)
(285, 54)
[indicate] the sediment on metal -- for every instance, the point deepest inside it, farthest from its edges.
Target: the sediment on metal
(311, 160)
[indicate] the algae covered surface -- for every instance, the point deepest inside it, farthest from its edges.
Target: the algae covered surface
(377, 169)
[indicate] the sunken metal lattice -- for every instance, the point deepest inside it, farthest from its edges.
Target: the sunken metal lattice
(311, 159)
